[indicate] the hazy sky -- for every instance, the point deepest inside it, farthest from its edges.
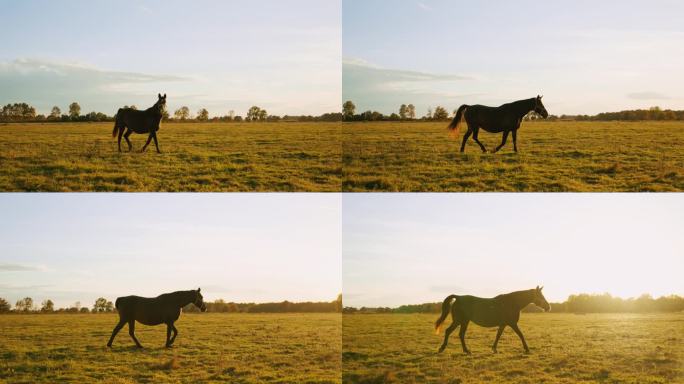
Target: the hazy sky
(223, 55)
(238, 247)
(417, 248)
(584, 56)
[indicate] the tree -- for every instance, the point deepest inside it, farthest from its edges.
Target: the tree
(254, 113)
(440, 114)
(4, 306)
(262, 115)
(47, 306)
(24, 305)
(74, 110)
(402, 111)
(411, 111)
(102, 305)
(348, 109)
(202, 115)
(165, 115)
(84, 310)
(55, 113)
(429, 113)
(182, 113)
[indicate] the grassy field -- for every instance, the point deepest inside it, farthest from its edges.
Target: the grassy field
(553, 156)
(235, 348)
(565, 348)
(196, 157)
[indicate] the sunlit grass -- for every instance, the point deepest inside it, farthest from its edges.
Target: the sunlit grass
(558, 156)
(210, 348)
(196, 157)
(565, 348)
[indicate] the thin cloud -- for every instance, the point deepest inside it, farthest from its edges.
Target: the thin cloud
(19, 268)
(424, 6)
(648, 96)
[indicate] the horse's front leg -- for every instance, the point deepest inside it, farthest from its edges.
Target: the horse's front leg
(520, 335)
(169, 328)
(128, 133)
(149, 138)
(498, 335)
(156, 144)
(515, 140)
(175, 333)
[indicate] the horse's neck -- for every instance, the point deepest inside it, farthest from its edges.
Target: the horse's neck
(523, 298)
(184, 298)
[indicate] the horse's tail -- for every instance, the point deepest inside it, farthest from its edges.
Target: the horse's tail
(453, 127)
(446, 306)
(116, 122)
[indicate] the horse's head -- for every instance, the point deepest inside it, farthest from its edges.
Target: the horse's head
(539, 300)
(199, 300)
(161, 102)
(539, 107)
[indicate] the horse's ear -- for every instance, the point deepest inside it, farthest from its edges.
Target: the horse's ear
(159, 95)
(165, 96)
(198, 289)
(537, 287)
(542, 287)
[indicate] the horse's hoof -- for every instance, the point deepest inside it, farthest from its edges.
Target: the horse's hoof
(109, 345)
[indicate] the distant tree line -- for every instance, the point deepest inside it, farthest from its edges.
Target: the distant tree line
(102, 305)
(582, 303)
(23, 112)
(408, 113)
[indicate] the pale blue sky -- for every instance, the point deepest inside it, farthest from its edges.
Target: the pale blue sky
(417, 248)
(584, 56)
(238, 247)
(222, 55)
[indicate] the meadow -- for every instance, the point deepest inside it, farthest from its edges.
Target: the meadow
(553, 156)
(565, 348)
(210, 348)
(195, 157)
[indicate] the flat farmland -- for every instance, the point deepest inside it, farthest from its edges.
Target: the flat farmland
(565, 348)
(195, 157)
(553, 156)
(210, 348)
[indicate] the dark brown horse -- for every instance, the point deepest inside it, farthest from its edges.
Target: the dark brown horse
(505, 118)
(146, 121)
(499, 311)
(163, 309)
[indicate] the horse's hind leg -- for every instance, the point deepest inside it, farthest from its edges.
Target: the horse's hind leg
(115, 331)
(465, 139)
(131, 331)
(121, 131)
(520, 335)
(503, 141)
(448, 332)
(128, 133)
(498, 335)
(476, 130)
(461, 335)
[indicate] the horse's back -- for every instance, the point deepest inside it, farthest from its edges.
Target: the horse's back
(485, 312)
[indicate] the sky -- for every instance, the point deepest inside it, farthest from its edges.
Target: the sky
(583, 56)
(418, 248)
(284, 56)
(238, 247)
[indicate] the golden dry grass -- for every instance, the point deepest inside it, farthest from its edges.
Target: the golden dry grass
(565, 348)
(553, 156)
(196, 157)
(210, 348)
